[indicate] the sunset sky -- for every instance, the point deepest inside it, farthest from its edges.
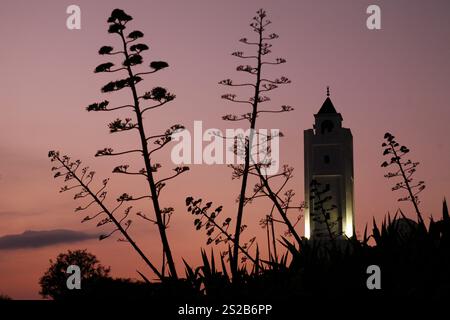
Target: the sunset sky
(394, 79)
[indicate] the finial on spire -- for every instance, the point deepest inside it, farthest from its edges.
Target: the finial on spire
(328, 91)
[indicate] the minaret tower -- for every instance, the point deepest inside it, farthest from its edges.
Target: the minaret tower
(329, 161)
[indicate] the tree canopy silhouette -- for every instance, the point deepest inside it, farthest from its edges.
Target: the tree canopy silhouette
(53, 282)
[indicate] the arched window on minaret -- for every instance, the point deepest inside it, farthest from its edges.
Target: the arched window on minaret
(327, 126)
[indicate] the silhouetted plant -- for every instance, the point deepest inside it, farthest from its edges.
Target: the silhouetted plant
(283, 203)
(217, 232)
(322, 209)
(268, 223)
(259, 85)
(80, 178)
(131, 51)
(404, 169)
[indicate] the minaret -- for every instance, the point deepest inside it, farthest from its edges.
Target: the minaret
(329, 161)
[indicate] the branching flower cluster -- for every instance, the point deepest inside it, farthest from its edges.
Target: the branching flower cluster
(217, 232)
(79, 179)
(130, 58)
(248, 147)
(403, 168)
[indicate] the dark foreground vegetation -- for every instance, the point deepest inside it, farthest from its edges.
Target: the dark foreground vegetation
(414, 260)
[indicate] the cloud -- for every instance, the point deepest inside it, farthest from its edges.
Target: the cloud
(17, 214)
(38, 239)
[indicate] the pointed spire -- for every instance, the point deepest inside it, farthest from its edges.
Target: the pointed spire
(327, 106)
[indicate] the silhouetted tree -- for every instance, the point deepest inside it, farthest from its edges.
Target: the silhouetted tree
(53, 282)
(130, 50)
(96, 283)
(404, 169)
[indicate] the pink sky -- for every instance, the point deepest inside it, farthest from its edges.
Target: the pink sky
(394, 79)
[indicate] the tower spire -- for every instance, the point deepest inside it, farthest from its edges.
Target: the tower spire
(327, 106)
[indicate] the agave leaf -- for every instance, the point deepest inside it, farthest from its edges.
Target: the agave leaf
(143, 277)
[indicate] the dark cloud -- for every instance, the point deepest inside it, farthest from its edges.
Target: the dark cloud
(38, 239)
(17, 214)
